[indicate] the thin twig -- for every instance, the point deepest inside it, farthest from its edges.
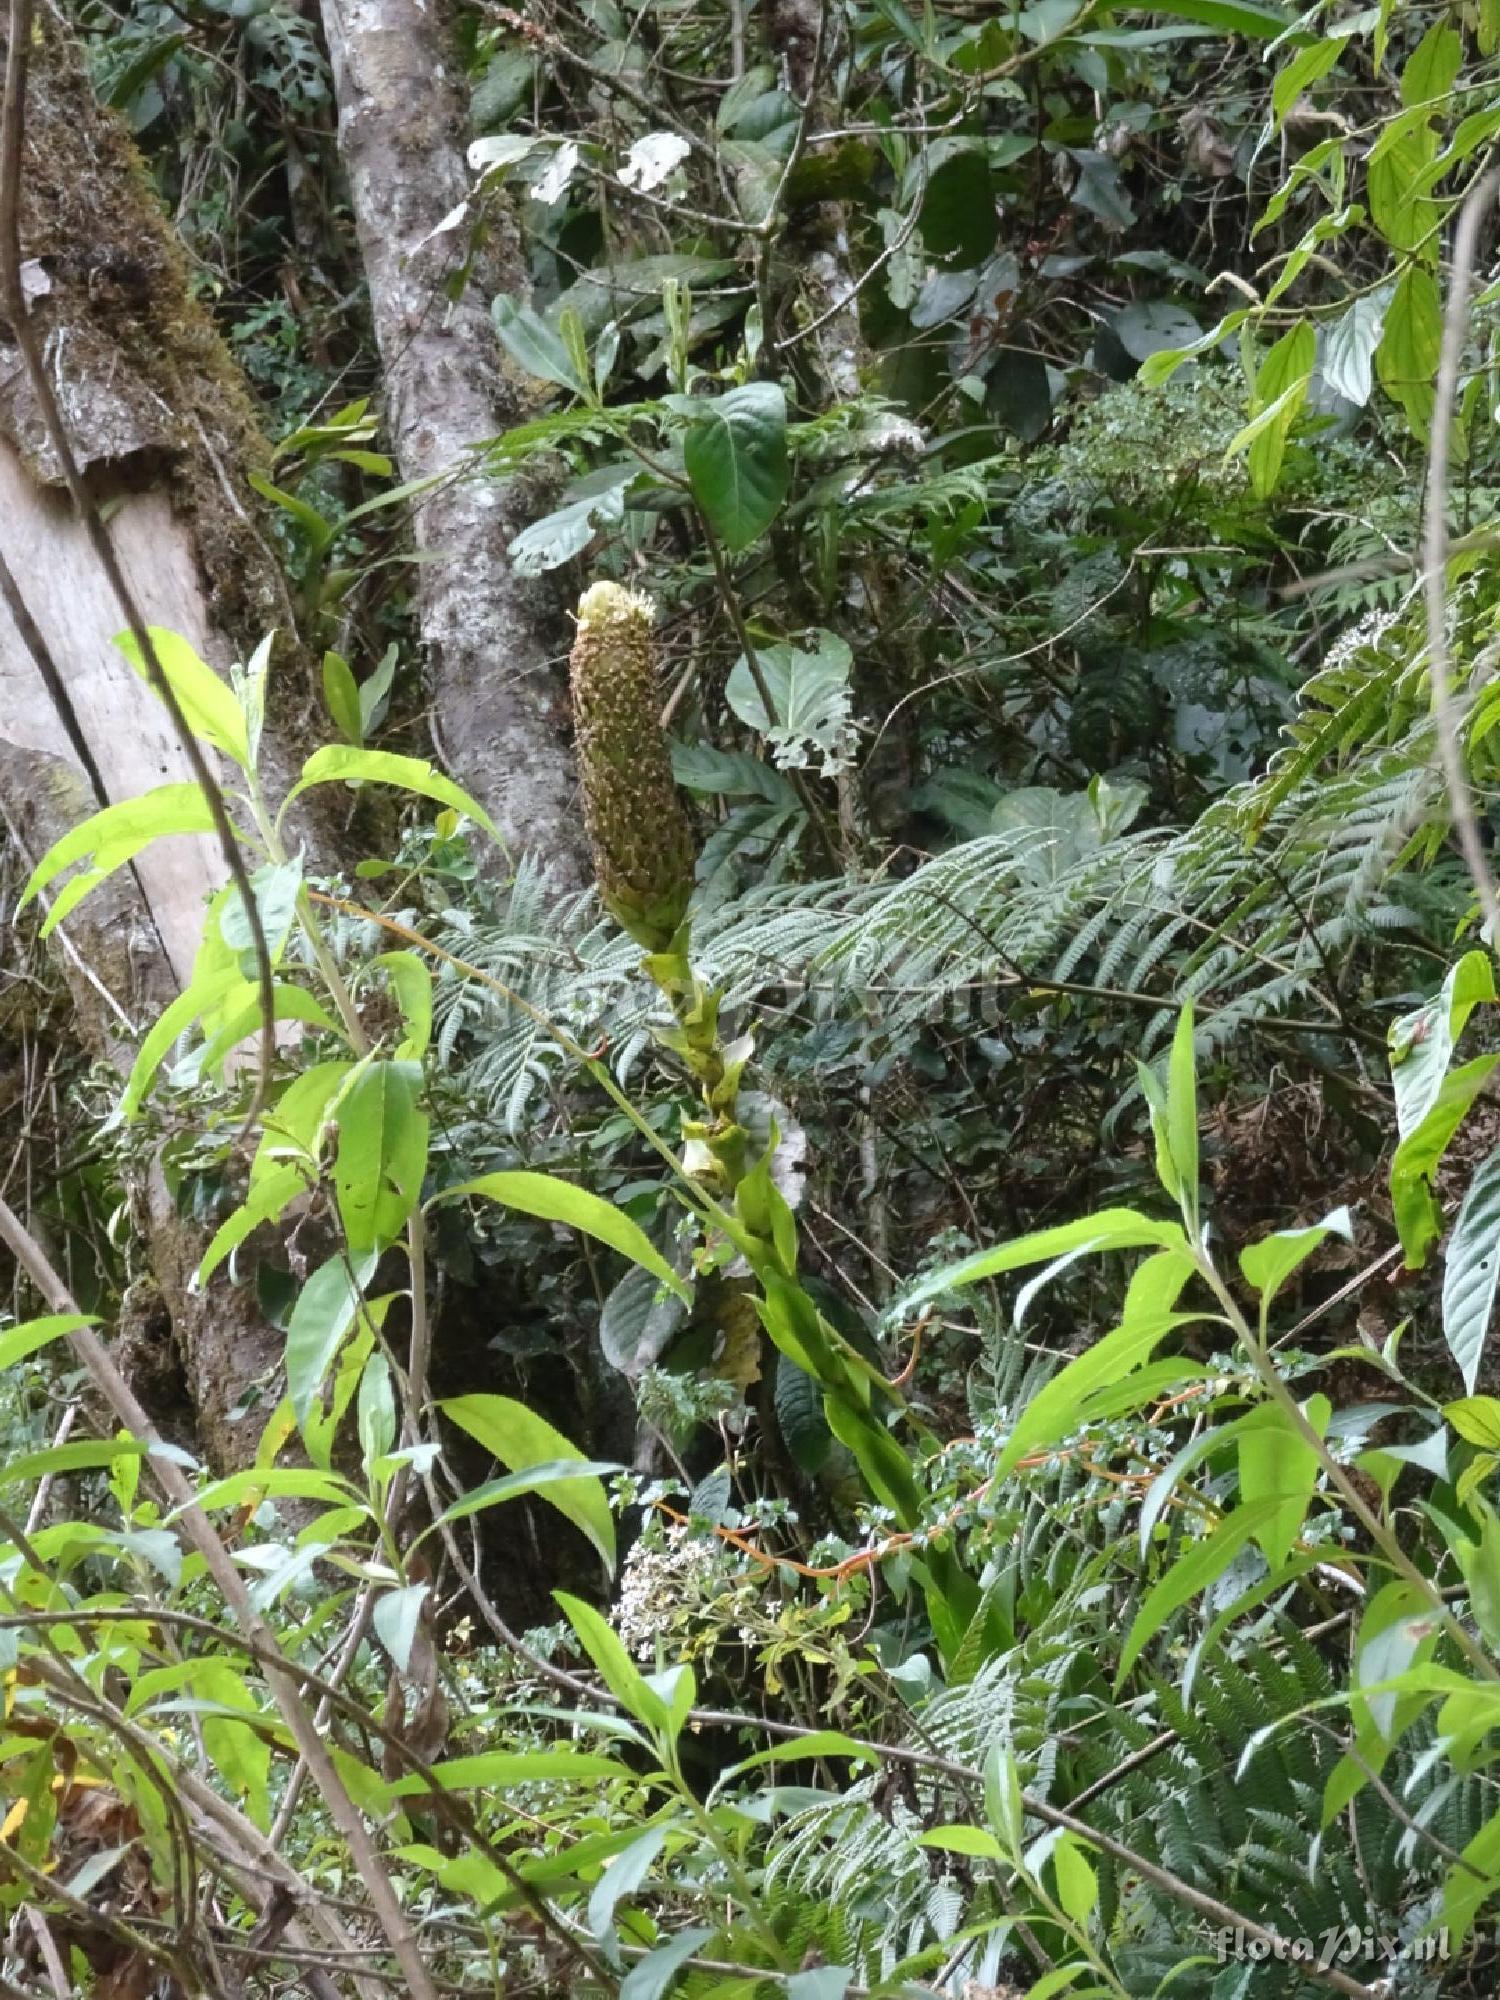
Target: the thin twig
(1435, 554)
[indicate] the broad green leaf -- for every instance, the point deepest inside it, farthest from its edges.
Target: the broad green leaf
(235, 1734)
(516, 1485)
(528, 339)
(108, 839)
(1349, 349)
(975, 1840)
(376, 1412)
(1432, 65)
(201, 996)
(1396, 1632)
(638, 1321)
(1156, 1105)
(411, 983)
(1414, 1164)
(497, 1771)
(1160, 1491)
(382, 1153)
(320, 1426)
(1077, 1884)
(1182, 1110)
(317, 527)
(624, 1875)
(207, 703)
(525, 1443)
(297, 1118)
(594, 502)
(1422, 1043)
(341, 692)
(618, 1671)
(1470, 1884)
(1281, 385)
(736, 460)
(1407, 357)
(264, 1203)
(342, 763)
(1268, 1264)
(1278, 1465)
(374, 693)
(1052, 1414)
(1110, 1229)
(1304, 70)
(19, 1342)
(818, 1982)
(292, 1003)
(1004, 1801)
(1471, 1269)
(1476, 1419)
(1232, 17)
(275, 1482)
(87, 1455)
(1193, 1571)
(1162, 365)
(557, 1200)
(396, 1617)
(797, 1749)
(651, 1977)
(324, 1312)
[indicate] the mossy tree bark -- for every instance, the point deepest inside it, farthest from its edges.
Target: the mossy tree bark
(164, 428)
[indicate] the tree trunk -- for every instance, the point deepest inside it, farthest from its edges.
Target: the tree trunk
(164, 428)
(497, 644)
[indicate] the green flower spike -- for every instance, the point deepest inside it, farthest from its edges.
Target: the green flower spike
(638, 830)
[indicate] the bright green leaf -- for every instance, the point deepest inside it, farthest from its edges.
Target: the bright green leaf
(557, 1200)
(736, 459)
(525, 1443)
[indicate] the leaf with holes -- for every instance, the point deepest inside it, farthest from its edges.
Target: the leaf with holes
(809, 691)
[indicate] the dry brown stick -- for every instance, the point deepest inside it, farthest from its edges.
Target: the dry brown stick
(1435, 553)
(280, 1675)
(18, 311)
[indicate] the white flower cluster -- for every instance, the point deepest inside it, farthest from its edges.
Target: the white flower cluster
(658, 1580)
